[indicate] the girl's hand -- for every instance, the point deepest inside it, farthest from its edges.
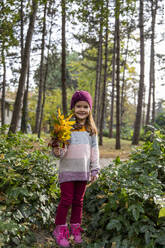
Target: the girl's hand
(57, 151)
(94, 175)
(94, 178)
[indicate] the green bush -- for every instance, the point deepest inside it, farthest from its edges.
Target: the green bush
(151, 156)
(28, 189)
(122, 204)
(160, 120)
(106, 133)
(126, 133)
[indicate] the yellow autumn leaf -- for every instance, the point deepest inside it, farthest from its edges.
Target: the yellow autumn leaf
(162, 212)
(59, 112)
(62, 127)
(71, 123)
(2, 156)
(69, 117)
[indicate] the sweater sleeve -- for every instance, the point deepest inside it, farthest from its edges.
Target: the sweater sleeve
(94, 161)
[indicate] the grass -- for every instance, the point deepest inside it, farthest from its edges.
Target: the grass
(107, 150)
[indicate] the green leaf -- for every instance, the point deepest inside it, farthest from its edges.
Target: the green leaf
(117, 160)
(162, 213)
(16, 240)
(161, 239)
(147, 237)
(135, 211)
(114, 224)
(18, 215)
(43, 198)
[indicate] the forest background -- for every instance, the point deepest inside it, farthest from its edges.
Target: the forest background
(49, 49)
(113, 49)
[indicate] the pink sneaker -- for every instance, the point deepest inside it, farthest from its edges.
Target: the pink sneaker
(61, 234)
(76, 231)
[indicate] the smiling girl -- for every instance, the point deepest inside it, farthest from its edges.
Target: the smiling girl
(78, 164)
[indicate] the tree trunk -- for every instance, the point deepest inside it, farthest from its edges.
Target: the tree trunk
(20, 92)
(137, 124)
(24, 119)
(104, 85)
(22, 30)
(153, 97)
(118, 75)
(143, 109)
(152, 67)
(153, 10)
(63, 58)
(123, 80)
(43, 102)
(25, 98)
(45, 79)
(99, 84)
(100, 69)
(40, 90)
(3, 86)
(98, 74)
(113, 85)
(149, 96)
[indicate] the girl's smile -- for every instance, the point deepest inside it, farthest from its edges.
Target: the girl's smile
(81, 111)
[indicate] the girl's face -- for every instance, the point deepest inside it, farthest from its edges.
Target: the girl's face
(81, 110)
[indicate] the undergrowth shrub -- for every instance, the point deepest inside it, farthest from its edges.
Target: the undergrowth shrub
(123, 206)
(160, 120)
(28, 189)
(126, 133)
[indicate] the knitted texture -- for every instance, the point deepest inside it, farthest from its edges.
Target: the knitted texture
(81, 96)
(81, 158)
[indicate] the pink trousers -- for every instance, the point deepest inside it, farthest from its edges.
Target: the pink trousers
(72, 195)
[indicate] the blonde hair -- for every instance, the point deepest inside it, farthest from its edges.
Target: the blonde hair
(90, 124)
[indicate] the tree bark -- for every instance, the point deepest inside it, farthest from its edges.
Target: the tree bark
(99, 86)
(118, 146)
(152, 66)
(22, 30)
(149, 95)
(100, 70)
(123, 80)
(43, 102)
(104, 85)
(25, 98)
(45, 79)
(20, 92)
(113, 85)
(63, 58)
(24, 119)
(153, 10)
(98, 74)
(143, 108)
(137, 124)
(40, 90)
(3, 86)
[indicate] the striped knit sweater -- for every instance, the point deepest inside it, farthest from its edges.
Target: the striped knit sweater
(81, 158)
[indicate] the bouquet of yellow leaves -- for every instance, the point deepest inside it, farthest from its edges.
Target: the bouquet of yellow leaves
(61, 132)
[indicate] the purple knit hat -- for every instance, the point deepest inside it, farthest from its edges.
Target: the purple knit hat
(81, 96)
